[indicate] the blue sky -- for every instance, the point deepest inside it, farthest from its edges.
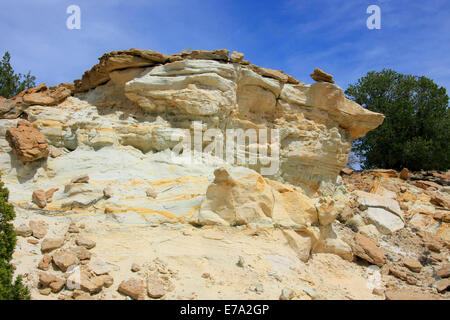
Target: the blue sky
(293, 35)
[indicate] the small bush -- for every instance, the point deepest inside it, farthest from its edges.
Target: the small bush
(9, 289)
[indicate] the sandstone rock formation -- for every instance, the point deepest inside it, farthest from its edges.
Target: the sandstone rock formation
(117, 185)
(40, 95)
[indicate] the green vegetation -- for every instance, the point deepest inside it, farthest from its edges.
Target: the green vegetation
(416, 131)
(10, 82)
(9, 289)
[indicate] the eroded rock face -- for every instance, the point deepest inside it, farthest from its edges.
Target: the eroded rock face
(118, 129)
(165, 94)
(27, 143)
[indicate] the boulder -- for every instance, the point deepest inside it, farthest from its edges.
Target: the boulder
(412, 264)
(442, 284)
(133, 288)
(46, 278)
(444, 271)
(321, 76)
(155, 286)
(63, 259)
(27, 143)
(385, 221)
(57, 286)
(50, 244)
(39, 198)
(80, 179)
(23, 230)
(83, 242)
(404, 174)
(81, 252)
(38, 228)
(370, 200)
(99, 266)
(45, 262)
(236, 57)
(368, 250)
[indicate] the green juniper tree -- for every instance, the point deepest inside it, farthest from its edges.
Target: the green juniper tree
(416, 131)
(10, 82)
(9, 289)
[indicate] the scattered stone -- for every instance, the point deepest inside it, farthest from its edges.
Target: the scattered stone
(32, 241)
(92, 285)
(99, 266)
(84, 296)
(50, 244)
(83, 242)
(45, 291)
(38, 228)
(378, 291)
(80, 179)
(347, 171)
(107, 192)
(133, 288)
(236, 57)
(77, 293)
(81, 252)
(73, 228)
(23, 230)
(135, 267)
(155, 286)
(45, 262)
(55, 152)
(241, 262)
(444, 271)
(385, 221)
(56, 286)
(206, 275)
(412, 264)
(399, 272)
(368, 250)
(286, 294)
(404, 174)
(64, 259)
(46, 278)
(259, 288)
(442, 284)
(107, 280)
(151, 193)
(39, 198)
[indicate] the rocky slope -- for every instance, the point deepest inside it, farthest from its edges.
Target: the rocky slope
(107, 209)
